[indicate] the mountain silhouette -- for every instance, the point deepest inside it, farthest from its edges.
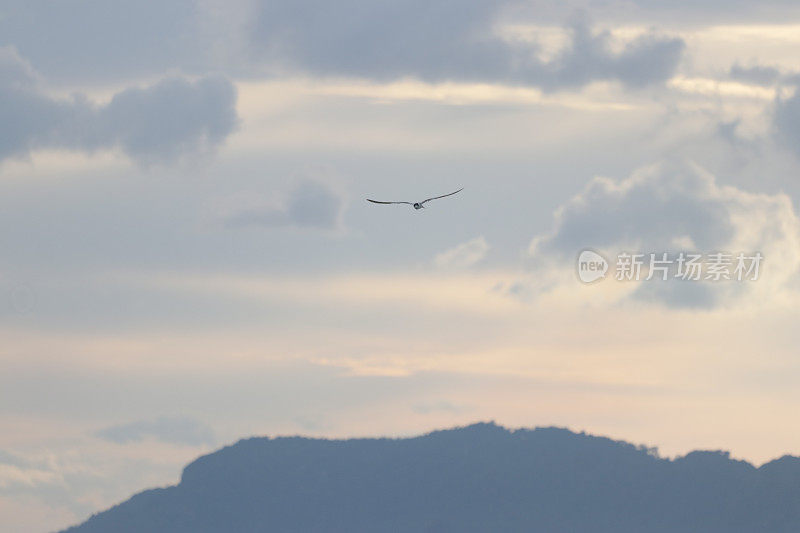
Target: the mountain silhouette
(481, 477)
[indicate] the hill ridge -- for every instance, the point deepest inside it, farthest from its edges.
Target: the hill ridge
(478, 477)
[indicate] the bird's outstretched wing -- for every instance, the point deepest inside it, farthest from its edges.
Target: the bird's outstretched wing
(379, 202)
(442, 196)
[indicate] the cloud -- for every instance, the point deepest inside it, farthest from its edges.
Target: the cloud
(7, 458)
(663, 207)
(444, 41)
(642, 61)
(172, 117)
(15, 72)
(172, 430)
(764, 75)
(433, 41)
(158, 123)
(121, 40)
(786, 122)
(755, 74)
(49, 479)
(464, 255)
(101, 40)
(311, 205)
(633, 212)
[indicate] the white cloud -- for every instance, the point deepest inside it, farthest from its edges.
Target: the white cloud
(464, 255)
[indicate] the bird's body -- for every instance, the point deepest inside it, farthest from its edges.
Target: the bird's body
(416, 205)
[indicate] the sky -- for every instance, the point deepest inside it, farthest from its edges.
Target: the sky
(188, 257)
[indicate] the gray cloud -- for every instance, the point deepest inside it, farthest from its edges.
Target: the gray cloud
(674, 207)
(756, 74)
(633, 213)
(94, 39)
(445, 40)
(310, 205)
(699, 12)
(172, 430)
(8, 458)
(786, 122)
(727, 130)
(644, 60)
(435, 40)
(172, 117)
(158, 123)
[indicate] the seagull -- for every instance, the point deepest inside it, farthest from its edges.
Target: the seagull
(417, 205)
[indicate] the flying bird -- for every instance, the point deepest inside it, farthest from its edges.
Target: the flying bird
(417, 205)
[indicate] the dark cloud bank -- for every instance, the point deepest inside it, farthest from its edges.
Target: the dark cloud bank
(427, 39)
(157, 123)
(478, 478)
(447, 40)
(90, 41)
